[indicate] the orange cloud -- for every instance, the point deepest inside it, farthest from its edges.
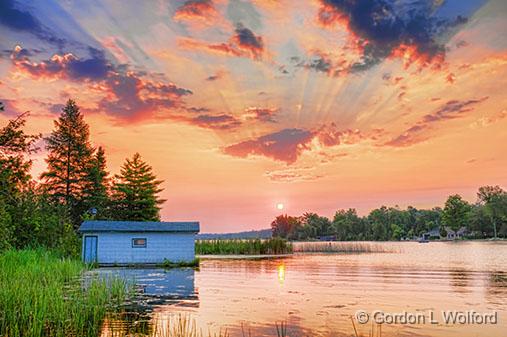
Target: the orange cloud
(195, 9)
(244, 43)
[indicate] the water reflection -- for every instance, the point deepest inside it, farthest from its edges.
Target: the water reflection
(315, 295)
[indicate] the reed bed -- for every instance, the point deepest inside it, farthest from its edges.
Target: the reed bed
(340, 247)
(273, 246)
(43, 295)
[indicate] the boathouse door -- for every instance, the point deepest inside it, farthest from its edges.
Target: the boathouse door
(90, 249)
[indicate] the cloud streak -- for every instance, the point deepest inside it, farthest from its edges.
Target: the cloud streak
(243, 43)
(450, 110)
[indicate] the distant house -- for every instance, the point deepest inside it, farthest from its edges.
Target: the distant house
(432, 234)
(453, 235)
(135, 242)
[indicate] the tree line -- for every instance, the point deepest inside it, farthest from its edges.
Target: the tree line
(485, 218)
(75, 186)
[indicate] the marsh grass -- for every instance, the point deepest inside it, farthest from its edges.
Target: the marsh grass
(42, 294)
(340, 247)
(273, 246)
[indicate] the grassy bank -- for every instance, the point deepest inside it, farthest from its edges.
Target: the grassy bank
(243, 247)
(42, 295)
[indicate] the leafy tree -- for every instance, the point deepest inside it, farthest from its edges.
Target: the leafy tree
(492, 199)
(397, 232)
(456, 212)
(347, 225)
(69, 161)
(135, 192)
(318, 225)
(15, 146)
(284, 225)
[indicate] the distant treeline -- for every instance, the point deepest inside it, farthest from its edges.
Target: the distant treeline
(76, 185)
(485, 218)
(254, 234)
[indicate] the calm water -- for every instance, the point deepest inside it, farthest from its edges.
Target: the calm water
(316, 294)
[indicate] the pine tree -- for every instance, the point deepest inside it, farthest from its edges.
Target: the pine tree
(135, 192)
(69, 161)
(96, 188)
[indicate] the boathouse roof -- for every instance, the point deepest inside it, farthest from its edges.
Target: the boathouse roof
(138, 226)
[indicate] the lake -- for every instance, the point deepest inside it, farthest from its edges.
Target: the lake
(316, 294)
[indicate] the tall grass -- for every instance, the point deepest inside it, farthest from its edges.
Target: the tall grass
(340, 247)
(42, 295)
(243, 247)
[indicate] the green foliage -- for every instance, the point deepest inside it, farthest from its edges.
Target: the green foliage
(75, 183)
(456, 213)
(135, 192)
(284, 225)
(42, 295)
(494, 202)
(243, 247)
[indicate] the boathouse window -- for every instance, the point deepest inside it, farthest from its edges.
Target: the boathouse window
(139, 243)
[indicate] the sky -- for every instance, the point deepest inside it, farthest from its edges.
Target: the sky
(241, 105)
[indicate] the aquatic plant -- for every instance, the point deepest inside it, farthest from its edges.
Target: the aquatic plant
(180, 264)
(340, 247)
(43, 295)
(271, 246)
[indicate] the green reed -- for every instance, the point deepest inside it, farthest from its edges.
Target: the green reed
(271, 246)
(44, 295)
(340, 247)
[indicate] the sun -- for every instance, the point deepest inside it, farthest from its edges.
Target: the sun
(279, 206)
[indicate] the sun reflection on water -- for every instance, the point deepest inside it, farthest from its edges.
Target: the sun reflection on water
(281, 273)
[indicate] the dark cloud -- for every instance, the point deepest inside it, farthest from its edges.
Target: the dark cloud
(261, 114)
(411, 136)
(219, 122)
(68, 66)
(247, 40)
(288, 144)
(450, 110)
(200, 9)
(16, 17)
(285, 145)
(198, 110)
(383, 28)
(129, 94)
(321, 62)
(9, 108)
(218, 75)
(212, 78)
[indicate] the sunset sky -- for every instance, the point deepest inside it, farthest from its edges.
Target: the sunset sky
(243, 105)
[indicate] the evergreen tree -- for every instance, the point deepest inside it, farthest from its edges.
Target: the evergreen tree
(96, 189)
(135, 192)
(69, 161)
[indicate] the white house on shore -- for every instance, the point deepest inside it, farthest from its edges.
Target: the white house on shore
(136, 242)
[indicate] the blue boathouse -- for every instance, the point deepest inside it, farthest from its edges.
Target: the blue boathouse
(136, 242)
